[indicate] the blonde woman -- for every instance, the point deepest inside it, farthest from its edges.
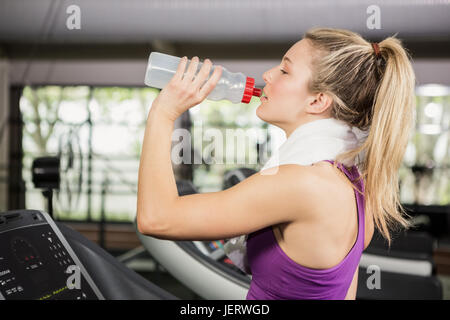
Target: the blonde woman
(307, 225)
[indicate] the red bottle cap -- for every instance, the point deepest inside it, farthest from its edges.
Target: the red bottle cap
(250, 90)
(257, 92)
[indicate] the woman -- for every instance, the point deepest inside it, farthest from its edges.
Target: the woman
(319, 240)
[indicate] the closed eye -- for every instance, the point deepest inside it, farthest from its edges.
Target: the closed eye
(283, 72)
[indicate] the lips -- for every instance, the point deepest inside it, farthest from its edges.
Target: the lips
(264, 96)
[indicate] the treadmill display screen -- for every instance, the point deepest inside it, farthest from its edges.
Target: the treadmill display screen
(35, 265)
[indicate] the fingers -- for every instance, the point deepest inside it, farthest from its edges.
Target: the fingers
(212, 82)
(192, 69)
(203, 74)
(180, 70)
(201, 84)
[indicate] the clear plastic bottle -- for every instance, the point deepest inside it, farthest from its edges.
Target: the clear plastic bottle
(235, 87)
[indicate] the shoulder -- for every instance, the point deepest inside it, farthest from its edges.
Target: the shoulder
(311, 178)
(320, 186)
(295, 177)
(302, 187)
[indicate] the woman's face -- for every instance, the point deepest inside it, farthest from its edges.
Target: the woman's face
(289, 103)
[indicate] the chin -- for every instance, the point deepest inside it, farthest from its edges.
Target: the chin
(266, 115)
(261, 114)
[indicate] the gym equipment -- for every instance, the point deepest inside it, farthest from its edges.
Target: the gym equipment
(41, 259)
(409, 244)
(37, 262)
(397, 286)
(114, 280)
(45, 175)
(410, 253)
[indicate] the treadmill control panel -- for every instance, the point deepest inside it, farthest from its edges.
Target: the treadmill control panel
(37, 263)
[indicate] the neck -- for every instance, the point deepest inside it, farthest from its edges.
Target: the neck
(291, 128)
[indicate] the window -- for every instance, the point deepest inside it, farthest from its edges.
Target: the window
(98, 134)
(425, 175)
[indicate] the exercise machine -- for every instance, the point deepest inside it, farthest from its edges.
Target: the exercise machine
(44, 260)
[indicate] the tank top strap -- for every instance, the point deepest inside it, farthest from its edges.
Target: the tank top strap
(349, 173)
(353, 174)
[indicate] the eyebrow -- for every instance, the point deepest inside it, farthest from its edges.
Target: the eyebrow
(287, 59)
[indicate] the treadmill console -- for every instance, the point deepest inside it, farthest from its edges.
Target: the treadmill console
(37, 263)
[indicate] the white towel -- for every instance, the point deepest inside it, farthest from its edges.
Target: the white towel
(309, 143)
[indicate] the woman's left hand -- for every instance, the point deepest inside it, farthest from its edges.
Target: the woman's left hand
(184, 92)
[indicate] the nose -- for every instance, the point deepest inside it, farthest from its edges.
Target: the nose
(267, 77)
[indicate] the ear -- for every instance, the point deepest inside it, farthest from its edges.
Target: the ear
(319, 103)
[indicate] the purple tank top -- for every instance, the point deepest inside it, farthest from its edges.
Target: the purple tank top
(276, 276)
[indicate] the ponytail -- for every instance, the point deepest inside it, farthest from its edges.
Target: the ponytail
(377, 96)
(392, 124)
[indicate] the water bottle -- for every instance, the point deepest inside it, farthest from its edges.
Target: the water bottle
(235, 87)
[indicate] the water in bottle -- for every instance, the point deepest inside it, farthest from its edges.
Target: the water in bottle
(235, 87)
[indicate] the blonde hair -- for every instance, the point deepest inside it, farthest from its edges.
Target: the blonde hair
(374, 93)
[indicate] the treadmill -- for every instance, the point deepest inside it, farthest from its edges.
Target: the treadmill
(44, 260)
